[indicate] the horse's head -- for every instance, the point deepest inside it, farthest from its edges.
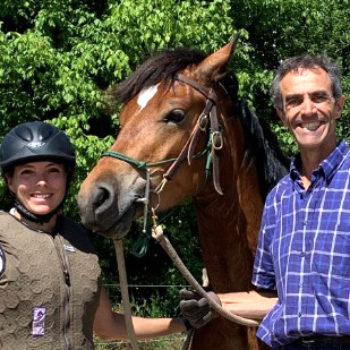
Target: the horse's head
(164, 99)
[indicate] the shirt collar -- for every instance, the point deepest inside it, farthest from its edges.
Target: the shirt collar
(327, 166)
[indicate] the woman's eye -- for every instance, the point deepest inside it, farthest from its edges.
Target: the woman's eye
(26, 172)
(175, 116)
(55, 170)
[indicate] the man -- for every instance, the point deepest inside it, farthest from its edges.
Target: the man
(303, 251)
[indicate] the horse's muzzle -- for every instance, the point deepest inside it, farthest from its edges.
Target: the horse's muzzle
(103, 211)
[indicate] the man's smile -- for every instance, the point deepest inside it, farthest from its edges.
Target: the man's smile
(311, 126)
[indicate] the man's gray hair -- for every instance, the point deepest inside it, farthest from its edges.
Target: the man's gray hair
(306, 62)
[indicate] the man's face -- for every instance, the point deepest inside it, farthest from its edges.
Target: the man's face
(309, 109)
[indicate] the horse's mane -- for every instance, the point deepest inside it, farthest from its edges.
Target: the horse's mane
(260, 142)
(262, 145)
(162, 66)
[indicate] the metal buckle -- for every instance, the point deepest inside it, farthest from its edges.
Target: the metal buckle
(203, 122)
(216, 146)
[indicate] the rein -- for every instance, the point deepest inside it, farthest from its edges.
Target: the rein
(207, 120)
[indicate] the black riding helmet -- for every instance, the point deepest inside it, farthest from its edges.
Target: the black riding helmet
(36, 141)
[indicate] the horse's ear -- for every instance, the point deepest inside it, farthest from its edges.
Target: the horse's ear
(213, 67)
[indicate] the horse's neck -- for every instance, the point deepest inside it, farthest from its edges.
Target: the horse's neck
(229, 224)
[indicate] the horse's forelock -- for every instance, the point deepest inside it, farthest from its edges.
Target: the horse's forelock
(160, 67)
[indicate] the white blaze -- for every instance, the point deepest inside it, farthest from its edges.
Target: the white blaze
(146, 95)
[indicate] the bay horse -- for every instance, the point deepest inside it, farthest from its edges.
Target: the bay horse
(163, 104)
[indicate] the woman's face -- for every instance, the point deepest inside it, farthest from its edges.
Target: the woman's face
(39, 186)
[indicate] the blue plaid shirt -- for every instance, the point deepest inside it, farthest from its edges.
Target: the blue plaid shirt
(304, 253)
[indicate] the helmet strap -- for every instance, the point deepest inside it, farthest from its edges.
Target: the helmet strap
(40, 219)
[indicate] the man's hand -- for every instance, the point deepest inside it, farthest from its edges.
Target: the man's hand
(196, 309)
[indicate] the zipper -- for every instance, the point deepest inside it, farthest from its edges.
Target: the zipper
(64, 265)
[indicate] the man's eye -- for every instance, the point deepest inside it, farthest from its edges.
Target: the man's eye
(293, 102)
(319, 98)
(175, 116)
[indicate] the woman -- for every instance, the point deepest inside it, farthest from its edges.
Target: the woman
(50, 280)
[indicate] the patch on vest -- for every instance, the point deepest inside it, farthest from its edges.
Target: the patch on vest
(39, 314)
(69, 248)
(2, 261)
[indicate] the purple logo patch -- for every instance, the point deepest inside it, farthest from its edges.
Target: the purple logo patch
(39, 314)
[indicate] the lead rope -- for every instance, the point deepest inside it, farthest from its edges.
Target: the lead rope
(157, 234)
(189, 339)
(118, 246)
(119, 252)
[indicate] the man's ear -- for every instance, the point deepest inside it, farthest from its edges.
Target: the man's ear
(339, 104)
(280, 114)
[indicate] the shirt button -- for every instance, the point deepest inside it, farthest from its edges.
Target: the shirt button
(299, 314)
(305, 223)
(302, 254)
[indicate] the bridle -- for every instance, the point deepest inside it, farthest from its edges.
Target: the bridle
(207, 121)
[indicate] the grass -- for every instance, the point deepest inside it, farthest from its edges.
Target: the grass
(170, 342)
(152, 306)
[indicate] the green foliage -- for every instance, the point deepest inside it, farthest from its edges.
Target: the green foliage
(281, 29)
(58, 56)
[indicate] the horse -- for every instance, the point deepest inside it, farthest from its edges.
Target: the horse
(181, 113)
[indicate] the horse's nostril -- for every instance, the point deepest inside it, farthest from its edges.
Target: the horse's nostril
(102, 194)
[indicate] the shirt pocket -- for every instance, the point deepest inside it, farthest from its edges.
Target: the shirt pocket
(332, 253)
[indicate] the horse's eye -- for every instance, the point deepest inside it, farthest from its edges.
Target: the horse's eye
(175, 116)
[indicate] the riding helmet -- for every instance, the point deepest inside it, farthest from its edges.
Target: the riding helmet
(36, 141)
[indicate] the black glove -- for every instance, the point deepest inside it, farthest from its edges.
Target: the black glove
(196, 309)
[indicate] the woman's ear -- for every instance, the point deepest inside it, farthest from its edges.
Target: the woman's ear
(8, 179)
